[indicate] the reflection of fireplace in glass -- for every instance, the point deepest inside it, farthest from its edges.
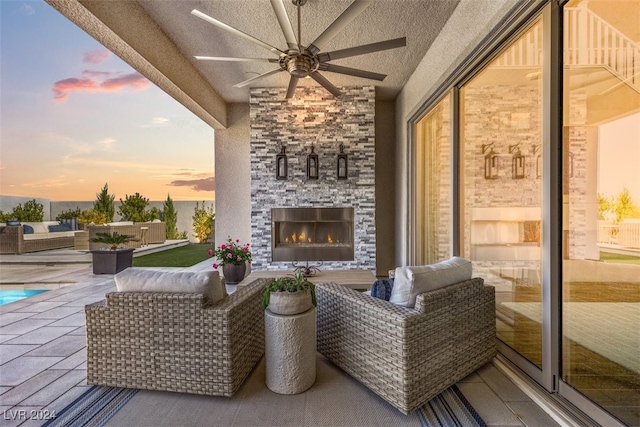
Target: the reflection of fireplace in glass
(317, 234)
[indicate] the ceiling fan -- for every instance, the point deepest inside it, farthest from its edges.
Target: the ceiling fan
(300, 61)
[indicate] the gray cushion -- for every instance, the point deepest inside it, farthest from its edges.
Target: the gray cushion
(149, 280)
(411, 281)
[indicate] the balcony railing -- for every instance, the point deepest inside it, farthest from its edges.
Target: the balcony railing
(626, 234)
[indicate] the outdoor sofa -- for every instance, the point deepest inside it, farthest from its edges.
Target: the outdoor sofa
(408, 355)
(34, 237)
(175, 341)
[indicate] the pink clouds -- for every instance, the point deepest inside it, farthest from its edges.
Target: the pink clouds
(203, 184)
(96, 56)
(90, 82)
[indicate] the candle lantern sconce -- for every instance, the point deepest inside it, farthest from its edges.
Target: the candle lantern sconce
(517, 162)
(490, 161)
(281, 165)
(342, 164)
(312, 164)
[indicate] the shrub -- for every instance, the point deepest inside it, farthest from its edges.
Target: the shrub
(170, 219)
(70, 214)
(31, 211)
(92, 216)
(203, 222)
(104, 203)
(133, 208)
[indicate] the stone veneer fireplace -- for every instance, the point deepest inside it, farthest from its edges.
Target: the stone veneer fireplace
(313, 117)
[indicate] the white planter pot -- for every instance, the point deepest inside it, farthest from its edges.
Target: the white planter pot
(289, 303)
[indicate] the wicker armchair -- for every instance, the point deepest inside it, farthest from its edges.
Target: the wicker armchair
(408, 356)
(175, 341)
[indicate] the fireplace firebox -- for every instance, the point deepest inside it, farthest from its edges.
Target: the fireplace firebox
(312, 234)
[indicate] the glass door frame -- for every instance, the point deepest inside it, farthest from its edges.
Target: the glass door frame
(550, 376)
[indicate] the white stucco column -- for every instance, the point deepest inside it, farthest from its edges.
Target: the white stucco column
(233, 177)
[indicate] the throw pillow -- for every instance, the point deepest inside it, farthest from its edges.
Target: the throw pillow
(411, 281)
(59, 227)
(27, 229)
(148, 280)
(382, 289)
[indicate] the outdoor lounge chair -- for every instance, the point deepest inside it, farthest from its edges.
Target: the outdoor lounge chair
(175, 341)
(408, 355)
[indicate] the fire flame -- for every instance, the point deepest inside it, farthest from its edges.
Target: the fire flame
(329, 239)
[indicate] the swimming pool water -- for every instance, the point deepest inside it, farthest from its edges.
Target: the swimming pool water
(7, 296)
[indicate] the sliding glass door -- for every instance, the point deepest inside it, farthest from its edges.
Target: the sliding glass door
(501, 187)
(601, 193)
(545, 179)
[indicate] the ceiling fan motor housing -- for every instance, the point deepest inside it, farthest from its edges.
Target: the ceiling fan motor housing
(300, 64)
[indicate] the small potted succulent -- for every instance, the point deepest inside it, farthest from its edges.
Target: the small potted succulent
(114, 259)
(289, 295)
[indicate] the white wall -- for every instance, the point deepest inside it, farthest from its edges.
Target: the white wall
(469, 24)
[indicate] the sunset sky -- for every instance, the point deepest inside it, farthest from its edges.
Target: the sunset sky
(73, 116)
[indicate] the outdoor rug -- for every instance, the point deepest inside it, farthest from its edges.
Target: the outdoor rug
(449, 408)
(334, 400)
(93, 408)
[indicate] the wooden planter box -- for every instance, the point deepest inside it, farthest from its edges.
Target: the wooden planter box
(106, 261)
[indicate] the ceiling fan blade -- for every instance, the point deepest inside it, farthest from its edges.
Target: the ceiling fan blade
(325, 83)
(352, 71)
(231, 59)
(253, 79)
(336, 26)
(361, 50)
(236, 31)
(285, 24)
(293, 83)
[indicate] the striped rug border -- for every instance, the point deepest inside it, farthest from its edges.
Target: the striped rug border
(449, 409)
(93, 408)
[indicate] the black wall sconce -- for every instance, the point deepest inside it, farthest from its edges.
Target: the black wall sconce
(312, 164)
(538, 160)
(517, 162)
(281, 164)
(342, 164)
(490, 162)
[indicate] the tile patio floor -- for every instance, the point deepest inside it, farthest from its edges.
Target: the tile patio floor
(43, 357)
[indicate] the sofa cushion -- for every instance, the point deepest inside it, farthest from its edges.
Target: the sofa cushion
(414, 280)
(38, 227)
(27, 229)
(149, 280)
(120, 223)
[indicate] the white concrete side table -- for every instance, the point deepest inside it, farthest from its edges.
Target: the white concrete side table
(290, 351)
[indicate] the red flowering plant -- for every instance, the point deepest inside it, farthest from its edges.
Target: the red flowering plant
(231, 253)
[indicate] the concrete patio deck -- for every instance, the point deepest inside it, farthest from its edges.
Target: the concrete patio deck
(43, 357)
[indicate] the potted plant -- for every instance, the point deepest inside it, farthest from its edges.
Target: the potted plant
(289, 295)
(233, 258)
(115, 259)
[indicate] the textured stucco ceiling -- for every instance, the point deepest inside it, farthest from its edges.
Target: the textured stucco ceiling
(161, 38)
(419, 20)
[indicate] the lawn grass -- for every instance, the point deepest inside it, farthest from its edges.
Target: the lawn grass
(611, 257)
(183, 256)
